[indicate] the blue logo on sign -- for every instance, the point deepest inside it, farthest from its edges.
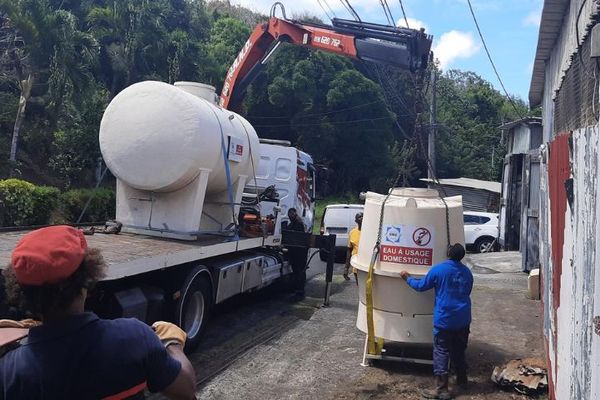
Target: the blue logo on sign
(392, 234)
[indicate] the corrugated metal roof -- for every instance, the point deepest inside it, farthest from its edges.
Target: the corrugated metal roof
(526, 121)
(552, 18)
(490, 186)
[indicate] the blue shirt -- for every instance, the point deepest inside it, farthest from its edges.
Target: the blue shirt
(453, 283)
(86, 357)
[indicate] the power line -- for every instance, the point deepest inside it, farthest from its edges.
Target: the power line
(318, 114)
(385, 12)
(492, 61)
(404, 13)
(323, 8)
(390, 13)
(329, 123)
(329, 8)
(353, 11)
(346, 7)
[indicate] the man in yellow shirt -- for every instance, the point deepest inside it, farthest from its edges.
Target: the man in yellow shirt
(353, 239)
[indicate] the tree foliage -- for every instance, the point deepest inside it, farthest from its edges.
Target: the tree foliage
(356, 118)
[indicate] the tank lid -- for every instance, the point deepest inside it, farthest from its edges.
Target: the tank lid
(415, 192)
(202, 90)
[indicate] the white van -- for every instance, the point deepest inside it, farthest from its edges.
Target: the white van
(338, 219)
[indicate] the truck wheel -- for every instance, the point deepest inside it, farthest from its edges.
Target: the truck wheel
(193, 308)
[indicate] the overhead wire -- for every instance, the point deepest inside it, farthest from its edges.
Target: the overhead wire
(487, 51)
(389, 11)
(404, 14)
(353, 11)
(320, 123)
(318, 114)
(329, 8)
(347, 8)
(323, 8)
(385, 12)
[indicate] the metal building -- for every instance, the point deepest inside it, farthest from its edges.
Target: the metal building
(477, 195)
(565, 83)
(519, 205)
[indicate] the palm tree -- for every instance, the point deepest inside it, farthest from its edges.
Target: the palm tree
(133, 37)
(49, 44)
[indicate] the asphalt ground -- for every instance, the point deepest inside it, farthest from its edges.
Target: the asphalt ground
(266, 346)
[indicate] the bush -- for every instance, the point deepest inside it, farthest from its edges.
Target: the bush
(101, 207)
(16, 202)
(45, 201)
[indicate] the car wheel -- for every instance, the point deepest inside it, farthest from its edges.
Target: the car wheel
(484, 245)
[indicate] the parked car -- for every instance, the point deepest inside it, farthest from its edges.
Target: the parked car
(481, 231)
(338, 219)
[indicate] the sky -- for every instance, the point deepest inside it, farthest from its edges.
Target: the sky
(510, 28)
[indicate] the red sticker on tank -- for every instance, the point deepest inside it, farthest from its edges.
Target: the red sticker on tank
(406, 255)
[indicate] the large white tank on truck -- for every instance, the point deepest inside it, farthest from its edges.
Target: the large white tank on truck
(413, 238)
(171, 148)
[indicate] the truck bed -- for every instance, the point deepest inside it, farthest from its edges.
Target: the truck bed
(133, 254)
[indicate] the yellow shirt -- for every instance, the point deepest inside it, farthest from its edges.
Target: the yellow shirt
(353, 239)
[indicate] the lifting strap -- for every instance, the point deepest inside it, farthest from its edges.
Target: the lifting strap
(375, 345)
(228, 175)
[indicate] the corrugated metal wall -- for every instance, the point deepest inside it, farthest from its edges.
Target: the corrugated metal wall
(571, 287)
(474, 199)
(570, 212)
(562, 55)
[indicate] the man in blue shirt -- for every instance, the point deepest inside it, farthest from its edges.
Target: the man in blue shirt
(74, 354)
(453, 283)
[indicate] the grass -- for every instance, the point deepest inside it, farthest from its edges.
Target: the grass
(321, 204)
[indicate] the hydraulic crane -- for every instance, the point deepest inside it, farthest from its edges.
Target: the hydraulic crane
(404, 48)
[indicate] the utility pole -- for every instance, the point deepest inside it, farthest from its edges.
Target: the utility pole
(432, 126)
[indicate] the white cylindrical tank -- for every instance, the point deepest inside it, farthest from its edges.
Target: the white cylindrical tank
(156, 137)
(413, 238)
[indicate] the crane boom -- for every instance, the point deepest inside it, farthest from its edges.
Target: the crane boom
(404, 48)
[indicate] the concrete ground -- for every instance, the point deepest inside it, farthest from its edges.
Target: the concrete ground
(264, 346)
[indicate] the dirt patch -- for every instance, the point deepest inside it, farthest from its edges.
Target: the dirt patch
(505, 325)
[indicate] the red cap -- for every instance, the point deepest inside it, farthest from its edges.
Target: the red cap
(48, 255)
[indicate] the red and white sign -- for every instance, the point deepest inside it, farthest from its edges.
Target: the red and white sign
(406, 255)
(236, 149)
(407, 244)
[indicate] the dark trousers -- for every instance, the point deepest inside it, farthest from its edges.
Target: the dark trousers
(449, 346)
(298, 259)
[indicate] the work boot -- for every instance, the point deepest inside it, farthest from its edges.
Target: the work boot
(346, 271)
(441, 389)
(461, 380)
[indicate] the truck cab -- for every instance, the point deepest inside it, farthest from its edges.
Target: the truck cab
(292, 173)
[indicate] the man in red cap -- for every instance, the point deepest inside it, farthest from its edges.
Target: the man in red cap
(74, 354)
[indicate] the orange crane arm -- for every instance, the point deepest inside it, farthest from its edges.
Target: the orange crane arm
(405, 48)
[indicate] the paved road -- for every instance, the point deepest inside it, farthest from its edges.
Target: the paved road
(263, 346)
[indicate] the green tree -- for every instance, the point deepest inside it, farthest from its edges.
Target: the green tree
(470, 112)
(227, 37)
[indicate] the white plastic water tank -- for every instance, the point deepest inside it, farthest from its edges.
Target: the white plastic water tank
(413, 238)
(156, 137)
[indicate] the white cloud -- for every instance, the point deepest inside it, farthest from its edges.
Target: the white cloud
(533, 18)
(530, 68)
(454, 45)
(412, 23)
